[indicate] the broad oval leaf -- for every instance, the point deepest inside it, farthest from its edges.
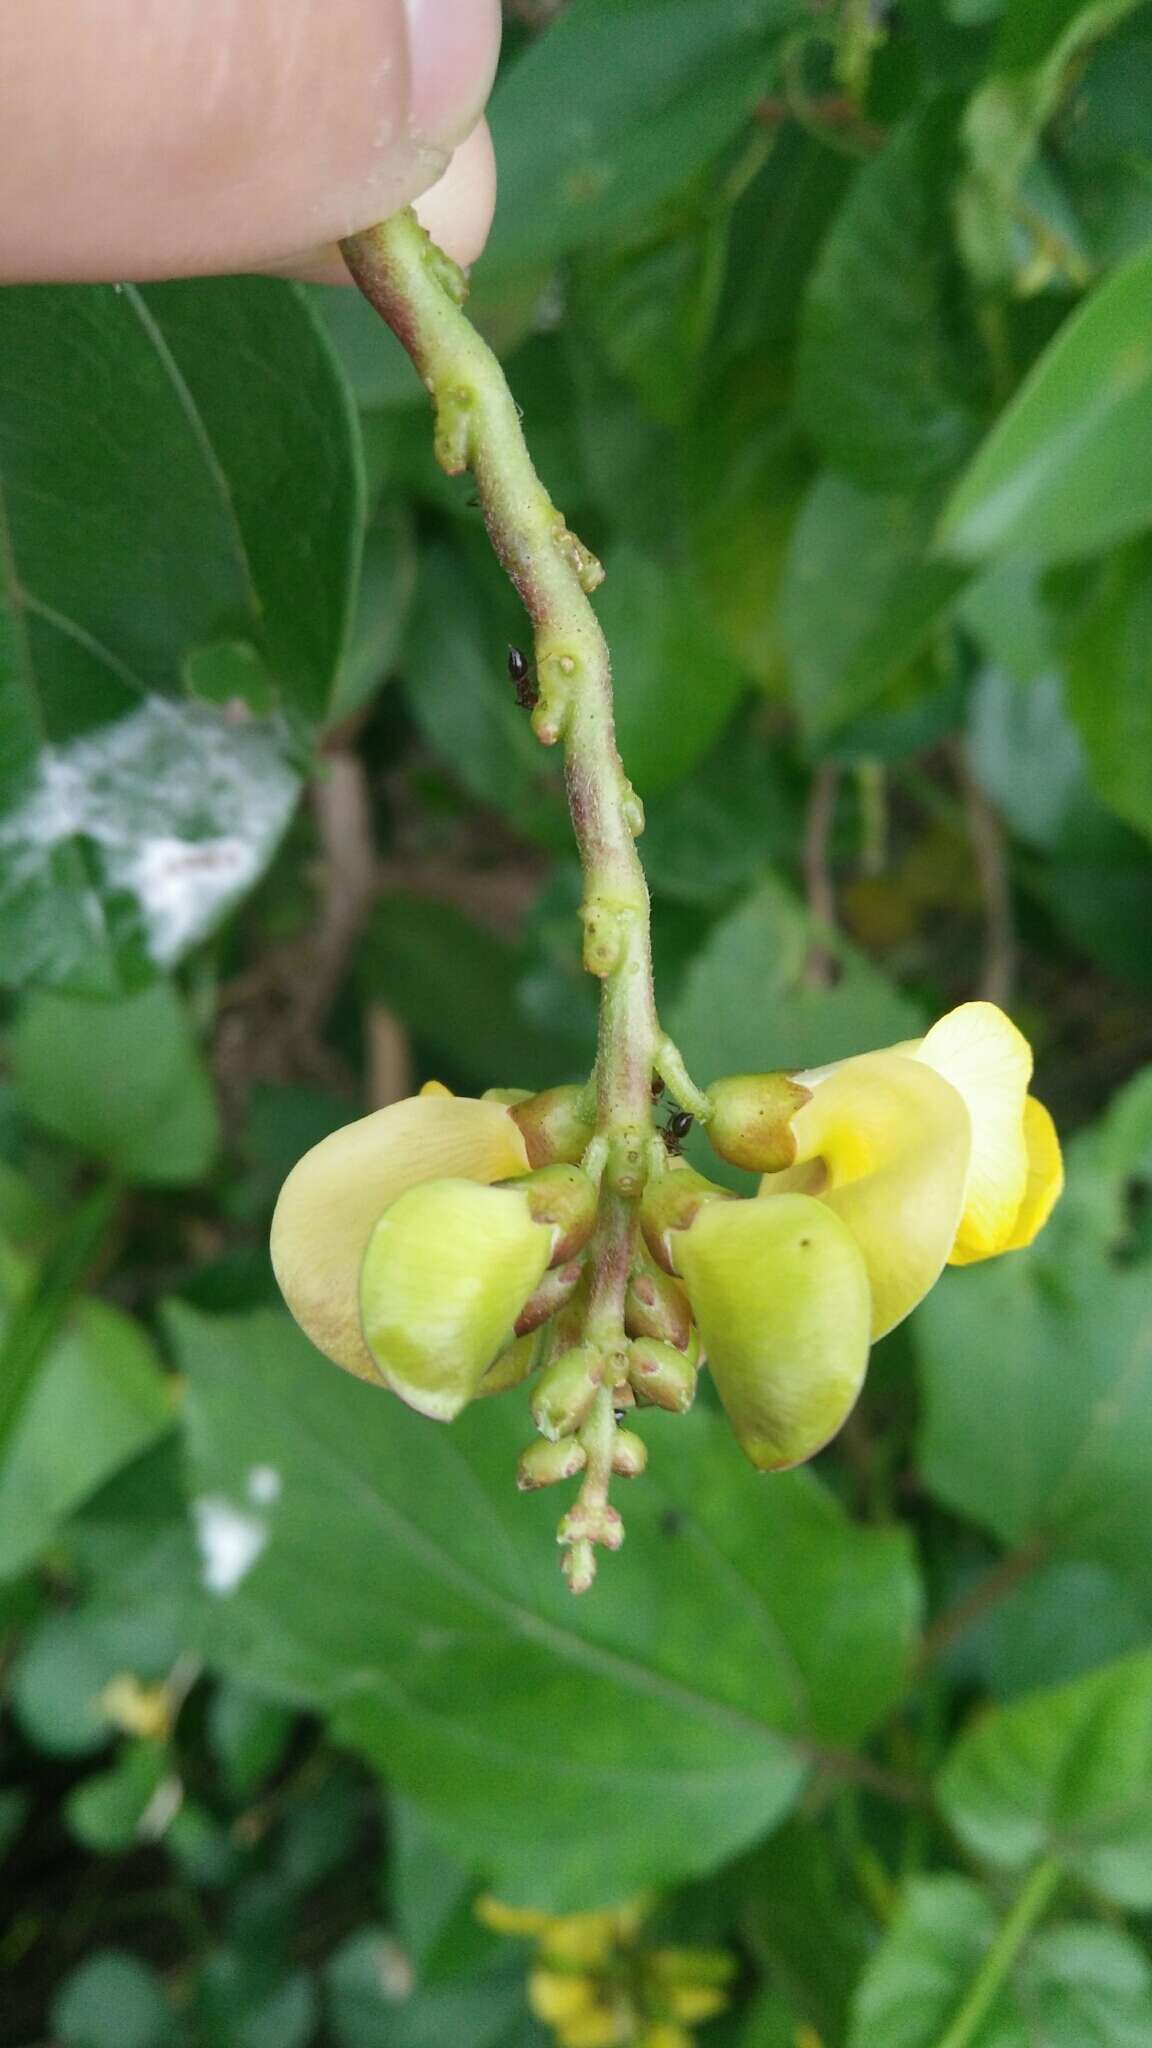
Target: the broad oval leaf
(1067, 469)
(690, 1690)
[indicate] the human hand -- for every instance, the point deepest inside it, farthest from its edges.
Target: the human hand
(205, 136)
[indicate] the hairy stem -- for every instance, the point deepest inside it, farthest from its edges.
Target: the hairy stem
(420, 294)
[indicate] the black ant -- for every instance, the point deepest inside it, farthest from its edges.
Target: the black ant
(523, 678)
(676, 1130)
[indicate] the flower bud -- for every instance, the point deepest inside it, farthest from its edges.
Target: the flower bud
(661, 1374)
(566, 1199)
(672, 1200)
(546, 1464)
(780, 1293)
(629, 1454)
(553, 1127)
(657, 1306)
(447, 1271)
(751, 1120)
(556, 1288)
(566, 1390)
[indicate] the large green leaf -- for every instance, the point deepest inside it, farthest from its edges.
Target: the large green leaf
(1076, 1986)
(1038, 1400)
(179, 510)
(619, 105)
(884, 378)
(1065, 1773)
(99, 1398)
(676, 684)
(749, 1004)
(1108, 679)
(385, 1569)
(123, 1081)
(859, 600)
(1067, 469)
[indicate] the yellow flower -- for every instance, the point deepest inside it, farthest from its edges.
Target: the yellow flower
(401, 1260)
(898, 1162)
(334, 1197)
(932, 1152)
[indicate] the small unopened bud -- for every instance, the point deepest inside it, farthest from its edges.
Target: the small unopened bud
(553, 1127)
(546, 1464)
(672, 1201)
(564, 1198)
(566, 1390)
(556, 1288)
(751, 1120)
(657, 1306)
(661, 1374)
(629, 1454)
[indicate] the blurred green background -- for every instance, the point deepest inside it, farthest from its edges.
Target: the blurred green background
(832, 330)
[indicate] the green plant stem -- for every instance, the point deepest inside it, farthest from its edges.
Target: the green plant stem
(1031, 1903)
(420, 294)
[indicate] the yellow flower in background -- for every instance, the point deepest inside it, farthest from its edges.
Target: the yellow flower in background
(597, 1986)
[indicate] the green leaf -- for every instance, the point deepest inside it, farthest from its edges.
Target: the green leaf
(884, 367)
(249, 1737)
(112, 2000)
(1075, 1986)
(1067, 468)
(98, 1400)
(1108, 684)
(122, 1081)
(457, 684)
(676, 686)
(617, 107)
(1037, 1374)
(859, 599)
(371, 2000)
(179, 473)
(802, 1924)
(1026, 754)
(1037, 43)
(460, 990)
(387, 586)
(1065, 1773)
(651, 307)
(748, 1006)
(446, 1646)
(106, 1811)
(744, 469)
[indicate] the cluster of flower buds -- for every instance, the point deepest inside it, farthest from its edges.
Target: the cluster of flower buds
(449, 1248)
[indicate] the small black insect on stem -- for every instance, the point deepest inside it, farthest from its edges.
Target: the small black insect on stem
(522, 676)
(676, 1130)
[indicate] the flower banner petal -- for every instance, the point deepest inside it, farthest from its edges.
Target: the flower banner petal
(334, 1197)
(980, 1051)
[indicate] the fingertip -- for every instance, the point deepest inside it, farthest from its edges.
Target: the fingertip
(457, 212)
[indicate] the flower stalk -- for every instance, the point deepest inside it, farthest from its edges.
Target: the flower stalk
(420, 294)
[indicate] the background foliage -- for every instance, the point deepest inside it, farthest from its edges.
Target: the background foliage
(832, 327)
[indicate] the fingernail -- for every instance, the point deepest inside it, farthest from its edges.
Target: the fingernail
(452, 50)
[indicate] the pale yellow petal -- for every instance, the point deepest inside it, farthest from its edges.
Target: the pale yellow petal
(502, 1919)
(332, 1200)
(557, 1998)
(1044, 1184)
(446, 1272)
(979, 1050)
(780, 1295)
(886, 1142)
